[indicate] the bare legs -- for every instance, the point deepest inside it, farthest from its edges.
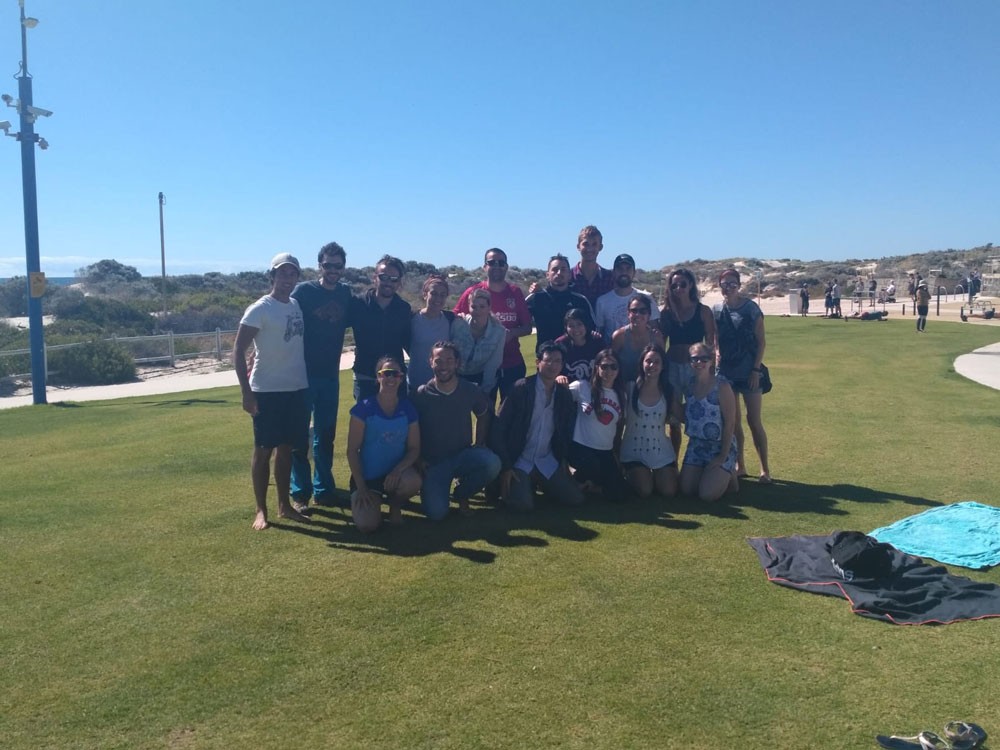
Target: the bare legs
(644, 482)
(260, 472)
(753, 403)
(709, 483)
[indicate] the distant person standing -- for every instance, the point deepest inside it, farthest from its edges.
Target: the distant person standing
(275, 391)
(588, 278)
(872, 288)
(828, 300)
(923, 301)
(835, 293)
(804, 300)
(381, 323)
(325, 305)
(509, 308)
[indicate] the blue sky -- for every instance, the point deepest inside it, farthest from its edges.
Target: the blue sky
(435, 130)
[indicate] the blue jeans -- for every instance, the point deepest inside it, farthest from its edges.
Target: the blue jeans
(324, 402)
(473, 467)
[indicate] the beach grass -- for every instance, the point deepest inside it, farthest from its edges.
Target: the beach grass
(141, 611)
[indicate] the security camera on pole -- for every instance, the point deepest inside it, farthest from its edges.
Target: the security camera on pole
(28, 113)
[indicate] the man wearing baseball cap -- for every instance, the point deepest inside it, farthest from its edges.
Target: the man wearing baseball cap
(275, 390)
(611, 311)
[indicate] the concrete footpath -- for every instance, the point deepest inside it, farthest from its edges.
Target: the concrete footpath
(982, 365)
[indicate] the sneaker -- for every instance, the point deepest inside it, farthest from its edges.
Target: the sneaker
(300, 507)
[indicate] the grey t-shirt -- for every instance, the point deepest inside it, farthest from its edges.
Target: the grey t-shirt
(446, 419)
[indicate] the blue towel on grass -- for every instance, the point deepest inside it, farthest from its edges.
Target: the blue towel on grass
(966, 534)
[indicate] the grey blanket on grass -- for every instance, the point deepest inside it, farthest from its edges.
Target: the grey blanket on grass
(913, 593)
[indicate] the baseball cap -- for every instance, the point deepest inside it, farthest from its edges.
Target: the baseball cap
(624, 258)
(284, 259)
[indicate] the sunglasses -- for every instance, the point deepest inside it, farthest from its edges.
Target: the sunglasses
(700, 359)
(607, 366)
(332, 266)
(388, 278)
(679, 285)
(729, 284)
(496, 263)
(390, 373)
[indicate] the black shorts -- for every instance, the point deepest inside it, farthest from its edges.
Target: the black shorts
(282, 419)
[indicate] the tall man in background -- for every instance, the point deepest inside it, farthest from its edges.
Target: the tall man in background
(589, 279)
(325, 305)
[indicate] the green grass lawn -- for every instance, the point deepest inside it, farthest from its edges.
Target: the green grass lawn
(139, 609)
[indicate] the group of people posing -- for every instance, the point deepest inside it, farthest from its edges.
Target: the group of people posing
(616, 380)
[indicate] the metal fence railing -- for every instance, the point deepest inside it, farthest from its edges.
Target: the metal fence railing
(165, 347)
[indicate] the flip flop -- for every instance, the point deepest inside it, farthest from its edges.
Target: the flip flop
(963, 735)
(923, 741)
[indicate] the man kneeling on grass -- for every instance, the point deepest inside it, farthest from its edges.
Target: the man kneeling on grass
(532, 433)
(445, 404)
(275, 390)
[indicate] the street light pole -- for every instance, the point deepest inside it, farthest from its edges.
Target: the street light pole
(163, 259)
(28, 113)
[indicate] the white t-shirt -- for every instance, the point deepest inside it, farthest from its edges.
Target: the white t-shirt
(279, 363)
(591, 430)
(611, 311)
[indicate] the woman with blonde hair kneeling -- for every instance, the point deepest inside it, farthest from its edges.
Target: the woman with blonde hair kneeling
(710, 417)
(383, 444)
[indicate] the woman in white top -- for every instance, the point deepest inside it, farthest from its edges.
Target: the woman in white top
(597, 432)
(646, 453)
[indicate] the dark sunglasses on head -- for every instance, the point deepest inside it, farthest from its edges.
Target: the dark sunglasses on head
(390, 373)
(496, 263)
(700, 358)
(607, 366)
(389, 278)
(332, 266)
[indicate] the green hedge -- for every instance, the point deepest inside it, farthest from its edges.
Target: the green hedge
(94, 363)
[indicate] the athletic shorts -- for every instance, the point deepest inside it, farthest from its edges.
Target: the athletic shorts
(282, 419)
(701, 452)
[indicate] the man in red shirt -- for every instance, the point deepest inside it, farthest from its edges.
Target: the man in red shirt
(509, 307)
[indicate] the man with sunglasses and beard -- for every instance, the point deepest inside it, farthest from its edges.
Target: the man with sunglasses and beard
(325, 305)
(381, 322)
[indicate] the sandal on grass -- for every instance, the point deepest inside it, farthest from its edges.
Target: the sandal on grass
(923, 741)
(963, 735)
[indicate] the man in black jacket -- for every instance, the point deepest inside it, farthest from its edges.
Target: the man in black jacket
(549, 305)
(381, 323)
(531, 435)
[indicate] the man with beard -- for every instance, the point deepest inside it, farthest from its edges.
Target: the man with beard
(611, 311)
(508, 306)
(549, 305)
(381, 323)
(325, 304)
(447, 451)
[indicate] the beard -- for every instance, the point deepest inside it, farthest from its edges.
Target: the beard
(623, 281)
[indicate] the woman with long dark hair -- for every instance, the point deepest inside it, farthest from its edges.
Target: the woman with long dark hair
(600, 404)
(646, 454)
(581, 345)
(630, 340)
(684, 321)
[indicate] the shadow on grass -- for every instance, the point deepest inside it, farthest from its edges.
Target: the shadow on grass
(464, 536)
(174, 402)
(796, 497)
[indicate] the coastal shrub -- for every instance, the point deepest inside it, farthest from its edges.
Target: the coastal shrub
(93, 363)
